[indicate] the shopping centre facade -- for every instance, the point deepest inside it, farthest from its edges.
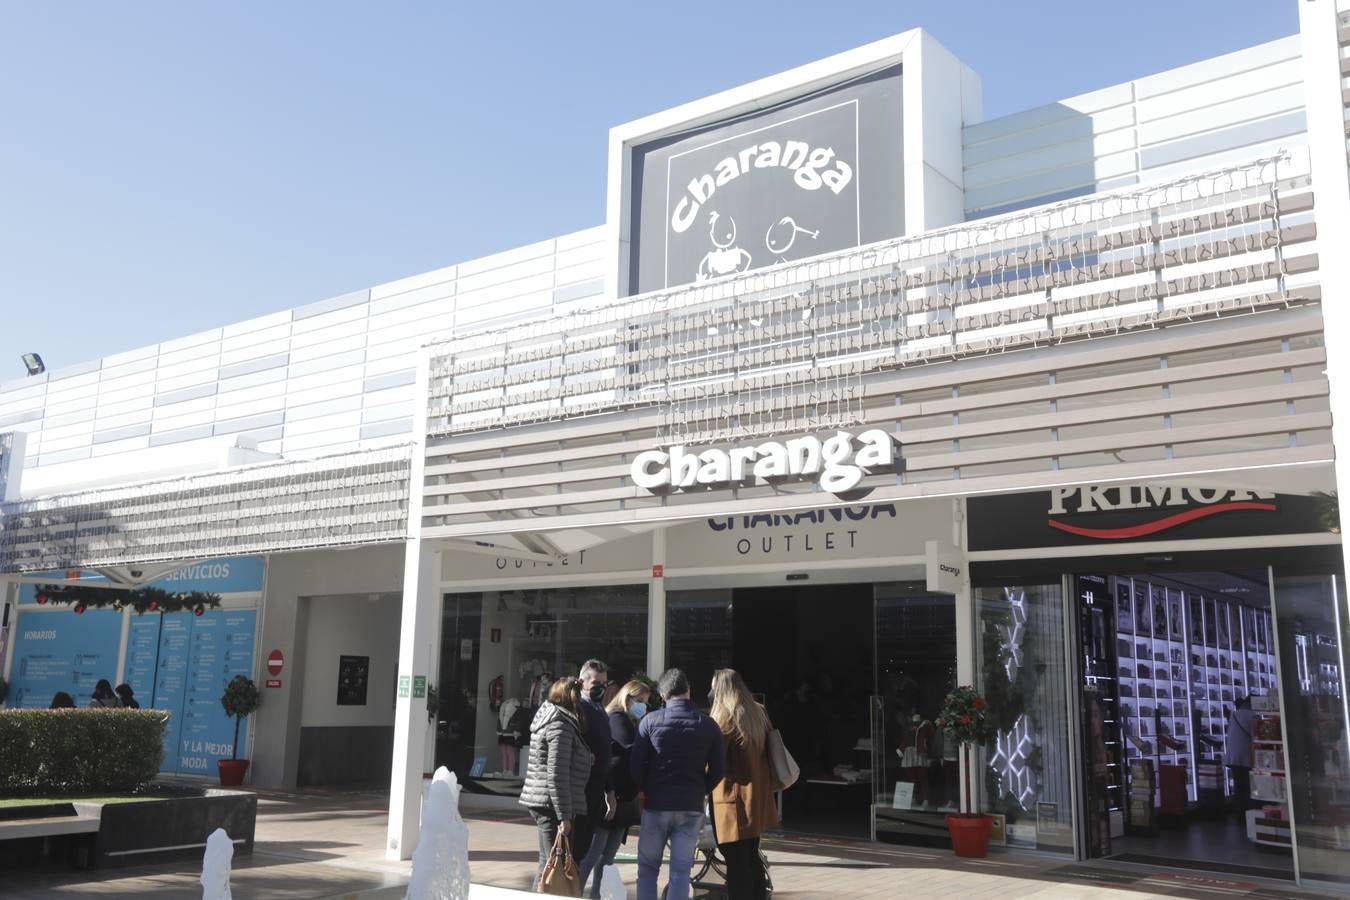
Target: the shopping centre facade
(855, 391)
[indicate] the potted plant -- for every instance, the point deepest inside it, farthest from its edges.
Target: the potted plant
(240, 699)
(965, 717)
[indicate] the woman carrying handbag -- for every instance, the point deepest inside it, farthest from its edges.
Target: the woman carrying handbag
(555, 784)
(743, 804)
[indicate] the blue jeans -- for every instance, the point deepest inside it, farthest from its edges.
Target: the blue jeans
(680, 829)
(604, 847)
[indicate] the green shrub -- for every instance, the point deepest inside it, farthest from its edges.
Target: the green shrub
(57, 751)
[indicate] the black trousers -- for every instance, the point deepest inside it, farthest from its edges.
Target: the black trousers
(546, 821)
(583, 827)
(745, 870)
(1242, 788)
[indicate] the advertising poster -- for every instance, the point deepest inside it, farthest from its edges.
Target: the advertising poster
(62, 651)
(353, 677)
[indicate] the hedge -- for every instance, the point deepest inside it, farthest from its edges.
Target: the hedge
(59, 751)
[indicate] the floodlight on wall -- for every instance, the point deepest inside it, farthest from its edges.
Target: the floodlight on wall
(33, 363)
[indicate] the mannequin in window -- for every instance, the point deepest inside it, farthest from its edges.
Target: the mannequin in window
(915, 757)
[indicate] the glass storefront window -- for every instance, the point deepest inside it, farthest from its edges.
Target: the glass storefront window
(1023, 674)
(499, 652)
(1311, 625)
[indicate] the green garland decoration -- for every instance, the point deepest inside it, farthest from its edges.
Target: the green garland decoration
(142, 600)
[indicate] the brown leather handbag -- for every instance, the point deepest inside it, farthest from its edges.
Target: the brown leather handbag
(560, 876)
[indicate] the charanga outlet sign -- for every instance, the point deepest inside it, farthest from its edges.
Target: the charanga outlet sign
(837, 463)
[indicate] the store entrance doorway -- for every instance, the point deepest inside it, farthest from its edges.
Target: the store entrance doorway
(853, 676)
(1182, 746)
(808, 650)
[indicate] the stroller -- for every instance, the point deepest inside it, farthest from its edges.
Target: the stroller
(707, 860)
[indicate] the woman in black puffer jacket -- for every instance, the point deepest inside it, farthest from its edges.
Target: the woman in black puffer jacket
(559, 765)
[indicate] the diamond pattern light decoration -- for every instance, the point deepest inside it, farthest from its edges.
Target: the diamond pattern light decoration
(1011, 759)
(1013, 750)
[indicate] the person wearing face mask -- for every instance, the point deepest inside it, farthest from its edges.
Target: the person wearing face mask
(600, 801)
(625, 711)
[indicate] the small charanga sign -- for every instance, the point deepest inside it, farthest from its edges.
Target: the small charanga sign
(838, 464)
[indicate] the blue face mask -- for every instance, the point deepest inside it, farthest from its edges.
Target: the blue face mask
(638, 710)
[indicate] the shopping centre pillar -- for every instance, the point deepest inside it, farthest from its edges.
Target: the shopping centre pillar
(1319, 30)
(656, 607)
(418, 655)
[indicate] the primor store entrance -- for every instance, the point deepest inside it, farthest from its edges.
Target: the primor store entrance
(1184, 756)
(853, 676)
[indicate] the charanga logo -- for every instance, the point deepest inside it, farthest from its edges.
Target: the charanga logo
(812, 168)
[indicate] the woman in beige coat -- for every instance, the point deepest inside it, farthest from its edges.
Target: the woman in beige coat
(743, 804)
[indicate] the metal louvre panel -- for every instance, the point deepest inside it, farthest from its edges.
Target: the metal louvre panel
(1247, 394)
(791, 347)
(353, 498)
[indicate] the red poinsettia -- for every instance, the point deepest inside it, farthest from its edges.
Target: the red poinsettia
(979, 703)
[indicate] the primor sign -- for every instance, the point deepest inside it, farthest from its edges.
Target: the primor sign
(1171, 506)
(838, 463)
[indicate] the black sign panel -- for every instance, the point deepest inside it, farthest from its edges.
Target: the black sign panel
(1095, 515)
(810, 176)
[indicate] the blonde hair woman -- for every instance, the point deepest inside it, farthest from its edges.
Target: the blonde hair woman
(625, 711)
(743, 806)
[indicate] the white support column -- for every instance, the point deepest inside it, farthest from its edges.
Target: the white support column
(418, 643)
(966, 648)
(656, 608)
(418, 639)
(1318, 28)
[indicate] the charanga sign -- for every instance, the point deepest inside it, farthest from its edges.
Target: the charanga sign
(838, 463)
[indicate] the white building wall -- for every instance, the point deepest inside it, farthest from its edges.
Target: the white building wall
(328, 377)
(1237, 106)
(350, 625)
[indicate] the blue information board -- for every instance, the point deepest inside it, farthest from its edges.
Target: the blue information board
(62, 651)
(221, 648)
(143, 657)
(175, 632)
(177, 662)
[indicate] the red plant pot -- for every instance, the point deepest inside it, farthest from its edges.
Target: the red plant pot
(232, 772)
(970, 834)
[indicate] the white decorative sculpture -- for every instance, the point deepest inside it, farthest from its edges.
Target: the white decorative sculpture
(611, 885)
(216, 866)
(440, 864)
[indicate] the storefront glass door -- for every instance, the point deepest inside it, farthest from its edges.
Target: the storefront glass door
(913, 770)
(1181, 752)
(1026, 775)
(844, 671)
(1301, 746)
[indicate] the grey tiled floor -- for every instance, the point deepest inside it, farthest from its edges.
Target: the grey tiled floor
(330, 845)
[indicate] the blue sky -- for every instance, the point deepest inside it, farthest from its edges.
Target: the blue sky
(173, 166)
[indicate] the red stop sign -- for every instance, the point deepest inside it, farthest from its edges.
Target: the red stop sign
(275, 662)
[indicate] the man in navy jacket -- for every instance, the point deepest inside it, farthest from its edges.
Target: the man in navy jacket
(600, 802)
(677, 759)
